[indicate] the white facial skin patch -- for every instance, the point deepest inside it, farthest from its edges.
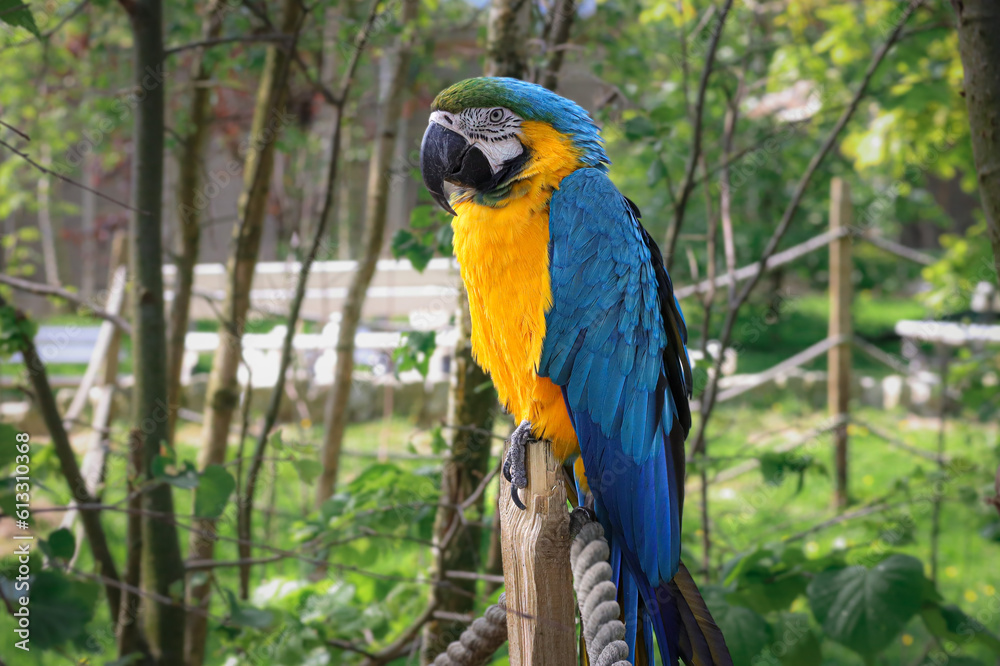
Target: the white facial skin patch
(494, 131)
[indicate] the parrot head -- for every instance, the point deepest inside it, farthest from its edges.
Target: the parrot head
(487, 134)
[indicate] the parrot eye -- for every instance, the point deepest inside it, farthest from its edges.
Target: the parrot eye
(496, 115)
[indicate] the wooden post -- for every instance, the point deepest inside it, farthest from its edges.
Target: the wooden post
(838, 385)
(537, 577)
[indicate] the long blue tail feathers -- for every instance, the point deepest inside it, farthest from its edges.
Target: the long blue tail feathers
(674, 612)
(679, 619)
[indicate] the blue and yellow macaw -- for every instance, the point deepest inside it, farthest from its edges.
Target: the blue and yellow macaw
(574, 317)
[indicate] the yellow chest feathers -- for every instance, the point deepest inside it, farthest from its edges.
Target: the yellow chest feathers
(504, 259)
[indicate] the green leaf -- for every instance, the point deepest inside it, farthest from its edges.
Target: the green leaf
(952, 661)
(247, 616)
(256, 618)
(746, 632)
(991, 531)
(276, 442)
(15, 330)
(60, 608)
(62, 544)
(414, 352)
(657, 171)
(775, 466)
(8, 499)
(438, 442)
(176, 590)
(795, 643)
(445, 238)
(638, 127)
(772, 593)
(186, 479)
(405, 245)
(865, 609)
(949, 622)
(17, 14)
(8, 449)
(308, 470)
(422, 217)
(336, 608)
(214, 488)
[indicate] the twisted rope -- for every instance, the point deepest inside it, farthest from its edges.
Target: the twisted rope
(482, 638)
(597, 596)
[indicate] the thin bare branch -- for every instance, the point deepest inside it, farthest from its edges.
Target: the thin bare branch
(15, 130)
(37, 288)
(687, 185)
(244, 39)
(65, 179)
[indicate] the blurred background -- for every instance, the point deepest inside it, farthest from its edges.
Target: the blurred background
(218, 253)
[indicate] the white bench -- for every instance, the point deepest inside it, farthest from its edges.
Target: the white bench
(64, 344)
(316, 354)
(397, 289)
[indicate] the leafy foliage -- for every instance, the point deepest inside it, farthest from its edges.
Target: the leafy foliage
(414, 352)
(17, 14)
(429, 234)
(215, 485)
(15, 330)
(774, 467)
(865, 609)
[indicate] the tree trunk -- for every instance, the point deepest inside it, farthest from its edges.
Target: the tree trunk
(470, 409)
(91, 177)
(223, 392)
(46, 227)
(88, 223)
(470, 415)
(978, 27)
(507, 38)
(162, 566)
(378, 194)
(564, 12)
(190, 208)
(130, 636)
(352, 208)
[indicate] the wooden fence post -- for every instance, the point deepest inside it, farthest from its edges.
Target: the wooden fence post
(838, 385)
(537, 577)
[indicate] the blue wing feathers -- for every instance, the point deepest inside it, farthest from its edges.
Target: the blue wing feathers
(615, 344)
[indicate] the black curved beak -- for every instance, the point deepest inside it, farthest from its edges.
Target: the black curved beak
(445, 156)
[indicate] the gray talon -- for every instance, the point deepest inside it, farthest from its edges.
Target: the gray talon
(513, 465)
(578, 518)
(517, 500)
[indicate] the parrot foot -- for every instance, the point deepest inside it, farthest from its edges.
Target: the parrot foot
(513, 464)
(578, 519)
